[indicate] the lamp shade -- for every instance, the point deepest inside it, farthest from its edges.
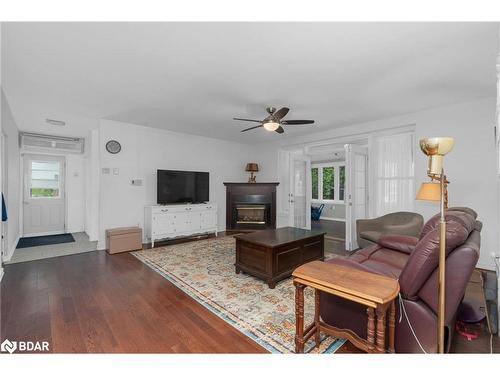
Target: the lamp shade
(429, 191)
(252, 167)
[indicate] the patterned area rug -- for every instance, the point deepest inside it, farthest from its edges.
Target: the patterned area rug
(205, 271)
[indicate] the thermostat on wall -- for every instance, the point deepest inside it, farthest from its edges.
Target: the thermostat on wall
(137, 182)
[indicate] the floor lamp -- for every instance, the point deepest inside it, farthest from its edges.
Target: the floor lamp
(435, 149)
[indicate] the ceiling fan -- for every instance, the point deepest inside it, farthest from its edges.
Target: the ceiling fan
(274, 122)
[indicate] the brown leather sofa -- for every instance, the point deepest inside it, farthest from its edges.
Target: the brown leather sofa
(370, 230)
(414, 262)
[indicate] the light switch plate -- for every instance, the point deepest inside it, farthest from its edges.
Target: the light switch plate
(105, 171)
(116, 171)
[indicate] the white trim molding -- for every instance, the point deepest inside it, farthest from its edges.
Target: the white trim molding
(332, 218)
(7, 257)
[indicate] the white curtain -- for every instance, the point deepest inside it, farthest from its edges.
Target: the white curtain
(393, 173)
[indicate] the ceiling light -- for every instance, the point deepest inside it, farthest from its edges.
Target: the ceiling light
(271, 125)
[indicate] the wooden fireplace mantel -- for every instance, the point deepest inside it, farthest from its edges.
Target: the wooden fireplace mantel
(248, 193)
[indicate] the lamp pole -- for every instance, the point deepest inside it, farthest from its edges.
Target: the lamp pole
(442, 269)
(436, 148)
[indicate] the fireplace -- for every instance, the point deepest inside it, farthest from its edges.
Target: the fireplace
(251, 214)
(250, 206)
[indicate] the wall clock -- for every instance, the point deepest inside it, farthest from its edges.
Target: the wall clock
(113, 147)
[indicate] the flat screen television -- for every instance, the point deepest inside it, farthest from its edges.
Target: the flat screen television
(182, 187)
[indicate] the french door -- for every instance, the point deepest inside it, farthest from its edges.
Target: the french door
(300, 191)
(356, 191)
(44, 208)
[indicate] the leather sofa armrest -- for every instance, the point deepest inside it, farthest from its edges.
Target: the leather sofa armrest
(401, 243)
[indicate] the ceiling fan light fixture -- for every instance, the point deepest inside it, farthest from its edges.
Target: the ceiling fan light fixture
(271, 125)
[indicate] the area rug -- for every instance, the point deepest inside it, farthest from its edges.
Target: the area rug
(205, 271)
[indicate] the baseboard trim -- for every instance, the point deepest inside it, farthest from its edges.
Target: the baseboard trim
(486, 267)
(332, 219)
(334, 238)
(8, 256)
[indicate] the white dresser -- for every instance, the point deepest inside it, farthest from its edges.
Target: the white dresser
(170, 221)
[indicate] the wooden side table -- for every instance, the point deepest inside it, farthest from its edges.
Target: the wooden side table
(376, 292)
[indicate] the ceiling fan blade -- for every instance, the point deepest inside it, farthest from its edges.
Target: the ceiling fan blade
(280, 113)
(297, 122)
(253, 127)
(246, 119)
(280, 130)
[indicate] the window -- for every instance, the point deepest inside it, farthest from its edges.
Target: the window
(315, 183)
(341, 182)
(45, 179)
(328, 182)
(394, 173)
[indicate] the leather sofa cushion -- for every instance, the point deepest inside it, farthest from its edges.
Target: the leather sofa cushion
(424, 260)
(467, 210)
(371, 235)
(368, 266)
(405, 244)
(377, 259)
(459, 217)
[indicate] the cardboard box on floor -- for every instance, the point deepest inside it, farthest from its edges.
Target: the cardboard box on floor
(119, 240)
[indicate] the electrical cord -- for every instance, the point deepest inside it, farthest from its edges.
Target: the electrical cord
(402, 311)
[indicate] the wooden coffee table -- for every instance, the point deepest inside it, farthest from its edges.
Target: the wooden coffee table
(272, 255)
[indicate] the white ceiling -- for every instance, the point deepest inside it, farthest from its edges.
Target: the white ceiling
(194, 77)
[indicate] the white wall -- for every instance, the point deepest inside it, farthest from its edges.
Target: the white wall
(92, 172)
(9, 128)
(144, 150)
(471, 166)
(75, 193)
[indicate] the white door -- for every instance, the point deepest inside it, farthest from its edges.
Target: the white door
(356, 191)
(300, 192)
(44, 198)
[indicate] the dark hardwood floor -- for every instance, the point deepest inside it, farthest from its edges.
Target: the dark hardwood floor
(333, 229)
(94, 302)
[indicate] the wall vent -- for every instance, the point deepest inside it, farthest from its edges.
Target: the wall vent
(55, 122)
(52, 143)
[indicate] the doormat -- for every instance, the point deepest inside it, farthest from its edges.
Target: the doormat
(44, 240)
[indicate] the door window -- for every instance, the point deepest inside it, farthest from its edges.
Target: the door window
(328, 182)
(45, 179)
